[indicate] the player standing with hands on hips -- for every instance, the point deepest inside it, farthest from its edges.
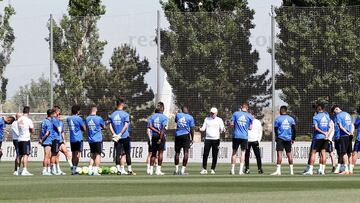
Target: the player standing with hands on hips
(213, 126)
(157, 124)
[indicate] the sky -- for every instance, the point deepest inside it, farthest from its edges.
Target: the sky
(125, 21)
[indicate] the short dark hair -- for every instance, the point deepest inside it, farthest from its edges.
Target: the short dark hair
(26, 109)
(120, 101)
(184, 107)
(75, 109)
(321, 105)
(49, 112)
(283, 109)
(57, 107)
(336, 106)
(244, 105)
(160, 106)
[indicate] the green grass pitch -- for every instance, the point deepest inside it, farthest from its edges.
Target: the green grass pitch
(193, 188)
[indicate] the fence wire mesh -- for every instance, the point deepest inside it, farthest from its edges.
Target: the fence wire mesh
(207, 59)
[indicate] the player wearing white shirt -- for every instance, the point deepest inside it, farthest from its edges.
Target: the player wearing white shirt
(329, 146)
(26, 128)
(14, 131)
(255, 135)
(213, 126)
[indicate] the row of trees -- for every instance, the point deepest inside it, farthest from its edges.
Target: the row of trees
(209, 59)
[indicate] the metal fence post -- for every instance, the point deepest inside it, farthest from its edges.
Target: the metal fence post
(158, 58)
(273, 79)
(51, 62)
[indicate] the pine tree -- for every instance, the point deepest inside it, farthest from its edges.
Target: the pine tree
(318, 56)
(208, 57)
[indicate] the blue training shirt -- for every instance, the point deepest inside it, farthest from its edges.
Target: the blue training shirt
(94, 125)
(242, 121)
(118, 119)
(46, 126)
(75, 122)
(158, 121)
(62, 131)
(55, 135)
(2, 126)
(357, 126)
(345, 120)
(283, 123)
(322, 121)
(184, 122)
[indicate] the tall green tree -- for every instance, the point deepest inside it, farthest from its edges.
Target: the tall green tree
(208, 57)
(36, 94)
(318, 55)
(77, 50)
(7, 39)
(125, 79)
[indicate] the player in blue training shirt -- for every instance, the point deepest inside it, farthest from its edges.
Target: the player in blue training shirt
(346, 130)
(45, 140)
(76, 129)
(242, 122)
(183, 137)
(356, 148)
(95, 124)
(119, 126)
(4, 121)
(157, 124)
(55, 137)
(322, 129)
(285, 136)
(62, 147)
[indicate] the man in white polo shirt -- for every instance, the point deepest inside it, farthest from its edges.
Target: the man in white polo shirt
(255, 135)
(26, 127)
(213, 126)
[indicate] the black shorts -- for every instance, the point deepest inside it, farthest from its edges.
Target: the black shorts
(95, 147)
(24, 148)
(16, 146)
(329, 146)
(76, 146)
(236, 142)
(356, 147)
(182, 141)
(344, 145)
(282, 144)
(123, 146)
(55, 147)
(155, 147)
(319, 145)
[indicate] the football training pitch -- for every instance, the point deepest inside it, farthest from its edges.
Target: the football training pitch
(169, 188)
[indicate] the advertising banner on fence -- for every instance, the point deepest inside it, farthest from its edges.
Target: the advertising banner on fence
(139, 152)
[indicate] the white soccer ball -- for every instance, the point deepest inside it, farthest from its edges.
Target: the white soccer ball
(85, 170)
(79, 170)
(113, 170)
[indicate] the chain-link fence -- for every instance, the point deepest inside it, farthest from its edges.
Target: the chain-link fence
(199, 59)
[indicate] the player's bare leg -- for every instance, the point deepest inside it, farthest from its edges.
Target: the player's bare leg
(233, 162)
(242, 161)
(291, 162)
(278, 163)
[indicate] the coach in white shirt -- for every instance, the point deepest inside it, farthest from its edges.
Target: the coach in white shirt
(26, 127)
(15, 136)
(213, 126)
(255, 135)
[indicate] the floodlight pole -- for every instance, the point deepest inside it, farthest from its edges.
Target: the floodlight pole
(157, 99)
(51, 62)
(273, 81)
